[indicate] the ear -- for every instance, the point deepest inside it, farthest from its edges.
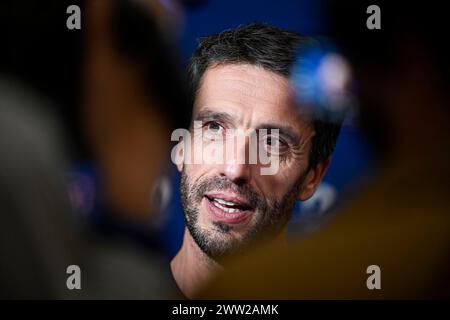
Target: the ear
(179, 155)
(313, 179)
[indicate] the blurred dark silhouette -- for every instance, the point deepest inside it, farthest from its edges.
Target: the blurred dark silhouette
(108, 94)
(400, 219)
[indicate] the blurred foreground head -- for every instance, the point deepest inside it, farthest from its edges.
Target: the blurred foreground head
(134, 99)
(114, 84)
(108, 93)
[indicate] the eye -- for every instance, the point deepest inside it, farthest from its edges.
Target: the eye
(213, 130)
(271, 141)
(274, 144)
(214, 126)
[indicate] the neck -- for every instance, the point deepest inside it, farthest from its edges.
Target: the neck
(191, 267)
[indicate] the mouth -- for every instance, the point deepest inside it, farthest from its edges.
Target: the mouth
(228, 208)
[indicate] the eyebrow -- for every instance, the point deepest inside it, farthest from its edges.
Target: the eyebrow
(209, 115)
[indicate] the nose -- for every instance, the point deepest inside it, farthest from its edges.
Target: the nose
(237, 168)
(237, 172)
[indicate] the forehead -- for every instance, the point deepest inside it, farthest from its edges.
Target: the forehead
(250, 92)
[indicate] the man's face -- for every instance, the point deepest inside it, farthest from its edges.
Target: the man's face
(227, 205)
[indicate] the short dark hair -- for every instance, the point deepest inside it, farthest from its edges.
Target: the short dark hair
(267, 46)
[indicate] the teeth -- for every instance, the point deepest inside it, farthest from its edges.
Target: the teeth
(228, 210)
(228, 203)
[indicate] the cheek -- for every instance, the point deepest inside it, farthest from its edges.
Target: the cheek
(195, 175)
(213, 152)
(278, 185)
(202, 216)
(271, 186)
(193, 171)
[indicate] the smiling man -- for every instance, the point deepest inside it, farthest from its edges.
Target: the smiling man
(240, 83)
